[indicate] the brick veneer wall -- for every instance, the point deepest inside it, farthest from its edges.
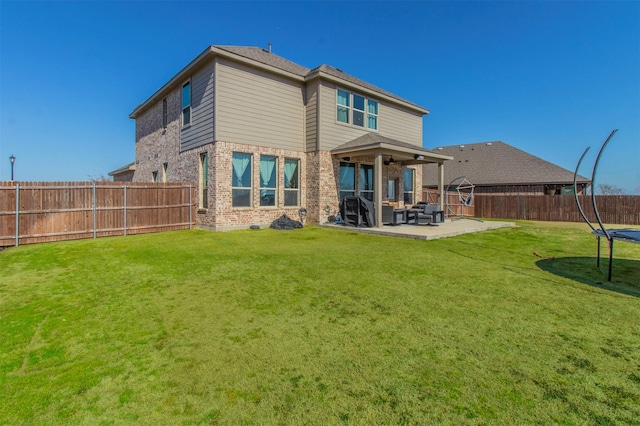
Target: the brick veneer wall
(156, 145)
(124, 176)
(229, 217)
(319, 172)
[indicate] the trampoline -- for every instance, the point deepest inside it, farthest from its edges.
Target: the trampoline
(628, 235)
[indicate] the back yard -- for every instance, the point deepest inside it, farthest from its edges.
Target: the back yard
(320, 326)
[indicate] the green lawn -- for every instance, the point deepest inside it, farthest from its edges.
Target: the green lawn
(320, 326)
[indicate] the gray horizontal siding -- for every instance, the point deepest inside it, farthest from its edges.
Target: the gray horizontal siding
(400, 124)
(393, 122)
(201, 130)
(258, 108)
(332, 133)
(312, 116)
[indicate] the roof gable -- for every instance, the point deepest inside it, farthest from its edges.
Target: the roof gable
(497, 163)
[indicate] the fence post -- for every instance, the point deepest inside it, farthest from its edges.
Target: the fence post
(17, 214)
(125, 210)
(94, 212)
(190, 207)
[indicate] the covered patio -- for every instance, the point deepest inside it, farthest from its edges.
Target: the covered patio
(383, 151)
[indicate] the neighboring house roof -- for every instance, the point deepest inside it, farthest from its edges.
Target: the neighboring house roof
(259, 57)
(497, 163)
(373, 142)
(127, 168)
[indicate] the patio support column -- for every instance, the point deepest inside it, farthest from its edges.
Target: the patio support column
(441, 193)
(377, 188)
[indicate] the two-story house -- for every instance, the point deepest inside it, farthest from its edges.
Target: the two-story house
(263, 136)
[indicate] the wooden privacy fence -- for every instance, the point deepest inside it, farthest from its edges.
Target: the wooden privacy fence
(613, 209)
(452, 204)
(34, 212)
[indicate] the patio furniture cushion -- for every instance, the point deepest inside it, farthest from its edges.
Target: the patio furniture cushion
(429, 212)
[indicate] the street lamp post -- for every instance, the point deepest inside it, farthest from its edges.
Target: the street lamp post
(13, 160)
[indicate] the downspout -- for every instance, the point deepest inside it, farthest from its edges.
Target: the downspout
(377, 189)
(441, 193)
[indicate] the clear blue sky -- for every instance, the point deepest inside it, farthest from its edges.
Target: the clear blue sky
(550, 78)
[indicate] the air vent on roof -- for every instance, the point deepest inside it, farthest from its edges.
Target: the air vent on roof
(338, 69)
(439, 148)
(488, 143)
(461, 147)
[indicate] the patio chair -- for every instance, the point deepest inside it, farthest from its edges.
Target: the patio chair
(392, 216)
(429, 213)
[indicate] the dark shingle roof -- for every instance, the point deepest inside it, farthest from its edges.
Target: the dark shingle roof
(497, 163)
(263, 56)
(369, 139)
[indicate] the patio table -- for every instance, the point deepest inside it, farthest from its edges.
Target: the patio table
(413, 214)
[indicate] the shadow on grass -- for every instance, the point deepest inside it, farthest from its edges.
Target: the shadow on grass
(625, 277)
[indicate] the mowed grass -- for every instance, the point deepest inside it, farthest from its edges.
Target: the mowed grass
(320, 326)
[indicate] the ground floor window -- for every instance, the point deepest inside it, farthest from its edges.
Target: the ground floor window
(268, 180)
(291, 182)
(392, 189)
(347, 180)
(204, 180)
(366, 181)
(408, 185)
(241, 180)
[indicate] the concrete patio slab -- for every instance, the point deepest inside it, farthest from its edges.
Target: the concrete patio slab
(449, 228)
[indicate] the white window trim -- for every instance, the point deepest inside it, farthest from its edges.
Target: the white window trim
(203, 181)
(296, 190)
(250, 188)
(275, 188)
(351, 108)
(413, 185)
(183, 108)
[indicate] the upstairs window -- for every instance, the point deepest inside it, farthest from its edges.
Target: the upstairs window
(186, 104)
(165, 174)
(372, 114)
(164, 114)
(356, 109)
(343, 106)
